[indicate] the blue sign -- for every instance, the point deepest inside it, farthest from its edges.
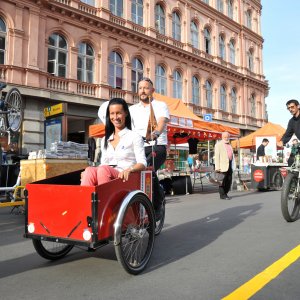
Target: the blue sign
(207, 117)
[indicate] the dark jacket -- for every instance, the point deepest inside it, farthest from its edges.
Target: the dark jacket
(260, 151)
(293, 128)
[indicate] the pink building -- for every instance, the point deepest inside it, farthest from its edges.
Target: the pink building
(207, 53)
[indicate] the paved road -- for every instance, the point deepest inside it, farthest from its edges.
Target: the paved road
(208, 248)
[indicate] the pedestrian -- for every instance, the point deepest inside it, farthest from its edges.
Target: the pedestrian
(294, 151)
(223, 163)
(190, 161)
(261, 149)
(246, 163)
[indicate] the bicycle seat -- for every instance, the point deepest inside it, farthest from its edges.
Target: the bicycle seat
(2, 85)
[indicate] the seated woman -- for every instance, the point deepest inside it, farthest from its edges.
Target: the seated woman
(122, 149)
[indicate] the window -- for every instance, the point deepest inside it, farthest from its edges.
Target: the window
(177, 85)
(207, 41)
(137, 11)
(195, 90)
(89, 2)
(223, 98)
(233, 101)
(206, 1)
(249, 19)
(250, 61)
(208, 90)
(194, 35)
(85, 63)
(220, 5)
(160, 19)
(232, 52)
(252, 106)
(160, 80)
(57, 55)
(230, 9)
(2, 41)
(115, 69)
(222, 47)
(137, 73)
(116, 7)
(176, 26)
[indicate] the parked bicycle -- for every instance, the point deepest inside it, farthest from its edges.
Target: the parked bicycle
(11, 113)
(290, 193)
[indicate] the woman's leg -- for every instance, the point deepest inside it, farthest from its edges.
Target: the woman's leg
(106, 173)
(89, 176)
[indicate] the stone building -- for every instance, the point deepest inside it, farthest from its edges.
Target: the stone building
(207, 53)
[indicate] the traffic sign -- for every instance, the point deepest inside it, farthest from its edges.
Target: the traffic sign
(207, 117)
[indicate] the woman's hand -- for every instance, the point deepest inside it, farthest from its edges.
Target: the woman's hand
(125, 174)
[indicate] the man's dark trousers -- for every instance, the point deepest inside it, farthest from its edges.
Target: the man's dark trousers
(226, 184)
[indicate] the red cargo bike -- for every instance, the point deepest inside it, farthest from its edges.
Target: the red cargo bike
(61, 214)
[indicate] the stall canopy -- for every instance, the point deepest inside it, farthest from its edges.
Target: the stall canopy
(249, 141)
(184, 124)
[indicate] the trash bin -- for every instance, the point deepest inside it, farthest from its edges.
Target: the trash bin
(263, 175)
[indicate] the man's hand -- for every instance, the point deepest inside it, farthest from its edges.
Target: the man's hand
(125, 174)
(280, 144)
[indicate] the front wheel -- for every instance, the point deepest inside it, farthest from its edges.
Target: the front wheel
(136, 238)
(15, 109)
(277, 181)
(290, 198)
(51, 250)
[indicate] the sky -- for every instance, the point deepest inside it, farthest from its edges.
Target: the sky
(281, 55)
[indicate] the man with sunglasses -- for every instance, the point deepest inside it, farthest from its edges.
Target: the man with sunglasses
(294, 123)
(149, 118)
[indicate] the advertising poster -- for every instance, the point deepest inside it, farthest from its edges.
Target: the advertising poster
(271, 148)
(53, 131)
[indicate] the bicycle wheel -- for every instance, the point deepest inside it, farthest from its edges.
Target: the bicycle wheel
(51, 250)
(137, 235)
(289, 198)
(160, 223)
(2, 126)
(15, 109)
(277, 181)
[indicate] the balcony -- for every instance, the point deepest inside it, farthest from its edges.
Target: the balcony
(57, 83)
(117, 20)
(87, 89)
(116, 93)
(87, 8)
(162, 37)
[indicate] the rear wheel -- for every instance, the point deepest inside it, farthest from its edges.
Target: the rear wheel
(51, 250)
(290, 198)
(137, 235)
(14, 107)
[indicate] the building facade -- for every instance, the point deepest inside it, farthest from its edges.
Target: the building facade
(207, 53)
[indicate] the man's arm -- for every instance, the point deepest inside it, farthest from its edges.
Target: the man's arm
(288, 133)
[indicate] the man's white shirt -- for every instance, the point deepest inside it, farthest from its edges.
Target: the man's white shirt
(140, 118)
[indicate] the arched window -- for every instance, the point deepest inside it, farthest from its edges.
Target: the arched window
(137, 73)
(57, 55)
(222, 47)
(137, 11)
(115, 71)
(194, 35)
(223, 98)
(250, 60)
(116, 7)
(177, 84)
(233, 101)
(85, 63)
(195, 90)
(176, 26)
(160, 80)
(252, 106)
(232, 52)
(206, 1)
(220, 5)
(208, 92)
(2, 41)
(207, 41)
(249, 19)
(160, 19)
(230, 9)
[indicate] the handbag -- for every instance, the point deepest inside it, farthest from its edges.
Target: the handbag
(216, 178)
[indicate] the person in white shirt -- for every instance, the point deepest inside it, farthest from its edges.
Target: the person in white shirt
(140, 114)
(122, 149)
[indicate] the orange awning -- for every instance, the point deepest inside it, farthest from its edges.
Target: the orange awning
(249, 141)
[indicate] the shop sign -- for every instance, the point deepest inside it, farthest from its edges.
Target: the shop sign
(54, 110)
(258, 175)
